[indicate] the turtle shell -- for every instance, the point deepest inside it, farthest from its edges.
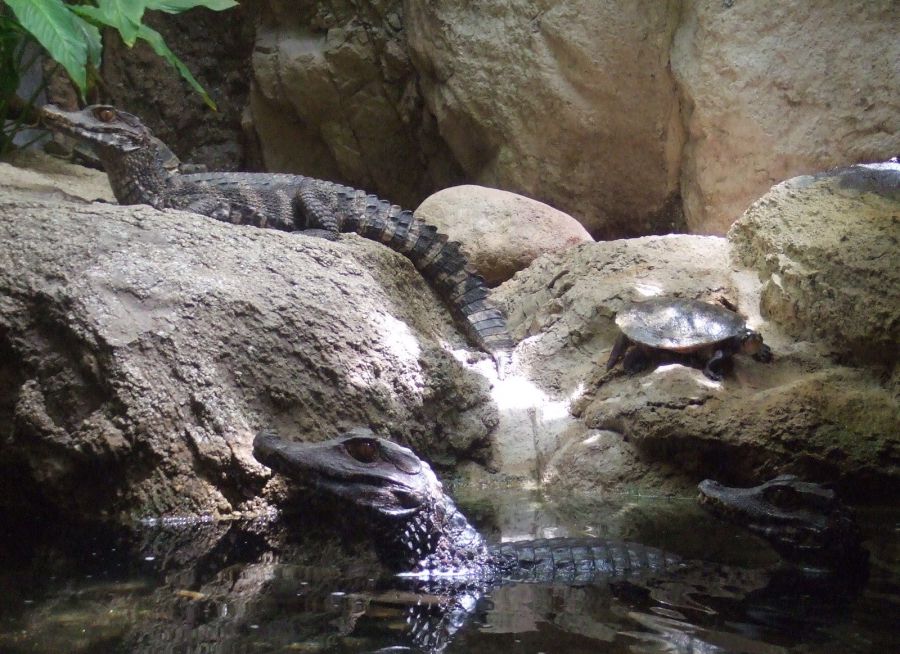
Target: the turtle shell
(678, 325)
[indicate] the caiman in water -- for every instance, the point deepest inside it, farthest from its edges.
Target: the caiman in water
(421, 536)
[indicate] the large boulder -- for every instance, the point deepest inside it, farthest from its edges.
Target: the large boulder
(335, 96)
(662, 429)
(632, 117)
(572, 104)
(828, 250)
(502, 232)
(142, 350)
(774, 90)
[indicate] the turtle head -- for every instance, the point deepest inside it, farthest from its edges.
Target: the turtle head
(751, 341)
(102, 126)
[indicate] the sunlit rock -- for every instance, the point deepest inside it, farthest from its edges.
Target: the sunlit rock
(666, 427)
(777, 90)
(828, 250)
(142, 350)
(500, 231)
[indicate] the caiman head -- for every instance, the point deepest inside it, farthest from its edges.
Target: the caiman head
(368, 472)
(804, 522)
(133, 158)
(101, 126)
(421, 532)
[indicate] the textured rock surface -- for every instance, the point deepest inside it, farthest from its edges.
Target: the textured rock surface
(335, 96)
(828, 250)
(659, 429)
(773, 91)
(502, 232)
(570, 103)
(635, 118)
(216, 47)
(141, 350)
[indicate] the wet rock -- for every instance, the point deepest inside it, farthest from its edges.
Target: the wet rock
(501, 232)
(142, 350)
(828, 250)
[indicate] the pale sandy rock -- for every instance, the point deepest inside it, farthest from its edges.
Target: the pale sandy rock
(501, 232)
(562, 309)
(828, 250)
(334, 96)
(773, 90)
(56, 178)
(564, 304)
(571, 103)
(803, 413)
(153, 345)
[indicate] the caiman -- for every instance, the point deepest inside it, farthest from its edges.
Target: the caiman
(136, 163)
(418, 530)
(387, 492)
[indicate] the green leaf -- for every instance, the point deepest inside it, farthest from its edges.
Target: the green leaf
(109, 17)
(177, 6)
(94, 41)
(55, 28)
(124, 15)
(159, 46)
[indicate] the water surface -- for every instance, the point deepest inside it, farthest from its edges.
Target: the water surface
(261, 588)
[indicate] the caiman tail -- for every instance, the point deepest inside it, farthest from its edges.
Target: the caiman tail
(331, 207)
(440, 260)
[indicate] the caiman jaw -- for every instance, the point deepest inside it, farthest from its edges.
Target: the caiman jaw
(98, 125)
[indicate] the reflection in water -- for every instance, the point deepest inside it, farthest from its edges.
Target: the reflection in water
(261, 588)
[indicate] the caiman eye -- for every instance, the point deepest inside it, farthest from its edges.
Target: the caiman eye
(782, 496)
(105, 114)
(363, 450)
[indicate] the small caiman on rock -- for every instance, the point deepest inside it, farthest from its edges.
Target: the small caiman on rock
(135, 164)
(418, 530)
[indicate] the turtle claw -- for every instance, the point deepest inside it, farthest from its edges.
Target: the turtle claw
(711, 374)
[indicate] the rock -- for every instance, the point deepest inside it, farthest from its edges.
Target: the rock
(564, 304)
(562, 309)
(142, 350)
(771, 92)
(216, 47)
(571, 104)
(501, 232)
(600, 460)
(57, 179)
(669, 427)
(335, 96)
(828, 248)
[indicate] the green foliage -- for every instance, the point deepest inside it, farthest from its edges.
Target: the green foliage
(15, 59)
(71, 36)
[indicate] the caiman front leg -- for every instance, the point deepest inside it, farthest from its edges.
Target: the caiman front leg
(314, 211)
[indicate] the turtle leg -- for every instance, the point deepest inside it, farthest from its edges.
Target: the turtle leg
(636, 360)
(764, 355)
(618, 350)
(713, 367)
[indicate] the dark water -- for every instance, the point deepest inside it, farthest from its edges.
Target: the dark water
(258, 588)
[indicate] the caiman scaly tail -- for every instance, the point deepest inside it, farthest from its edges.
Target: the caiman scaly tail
(134, 163)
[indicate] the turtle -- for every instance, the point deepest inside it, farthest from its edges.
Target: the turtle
(710, 333)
